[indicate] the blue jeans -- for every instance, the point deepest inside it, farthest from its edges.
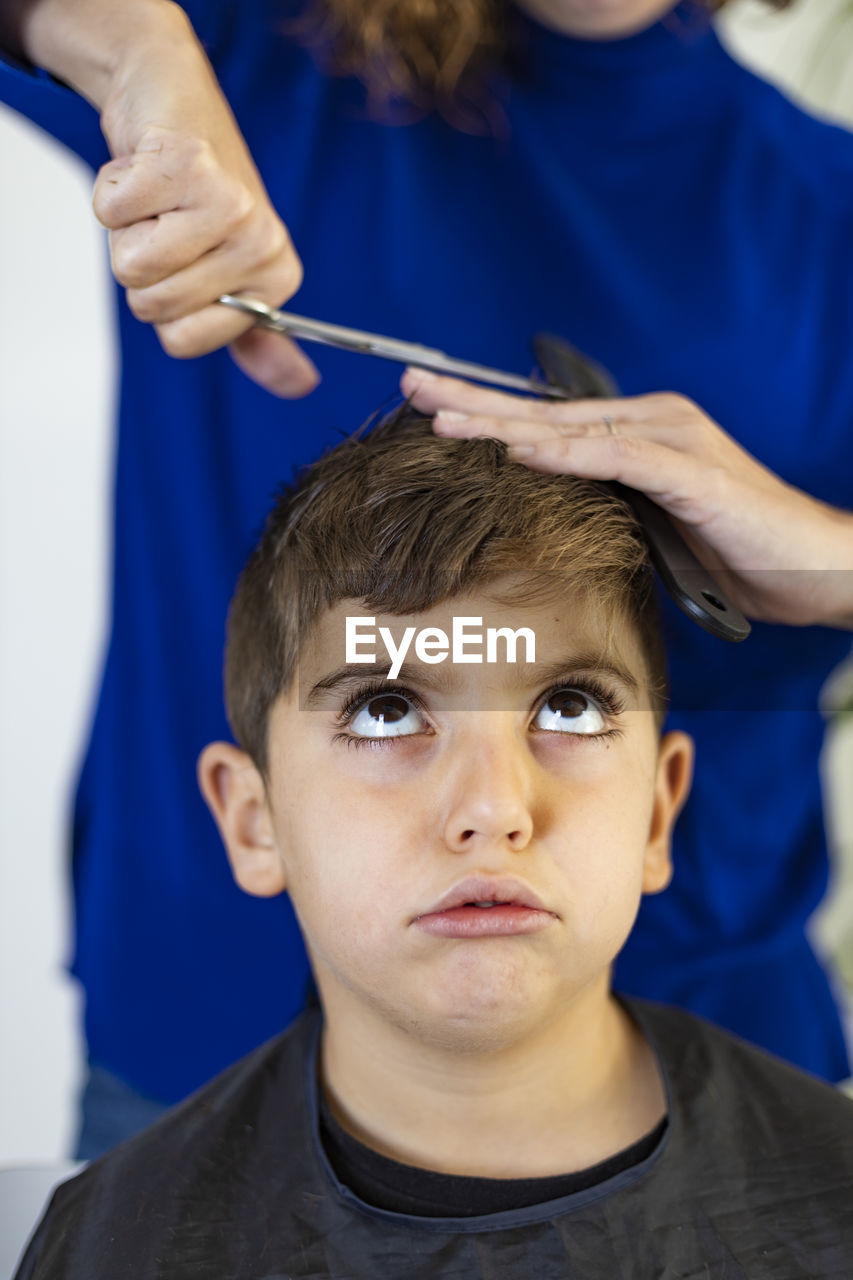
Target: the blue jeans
(111, 1111)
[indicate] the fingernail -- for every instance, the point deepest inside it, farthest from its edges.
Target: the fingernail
(452, 415)
(521, 450)
(422, 375)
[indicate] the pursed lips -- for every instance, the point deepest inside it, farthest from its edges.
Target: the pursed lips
(480, 907)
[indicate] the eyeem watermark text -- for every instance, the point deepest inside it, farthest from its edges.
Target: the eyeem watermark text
(431, 644)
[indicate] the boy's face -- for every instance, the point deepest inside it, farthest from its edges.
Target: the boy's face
(544, 786)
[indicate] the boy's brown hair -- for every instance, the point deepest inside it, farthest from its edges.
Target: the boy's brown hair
(401, 519)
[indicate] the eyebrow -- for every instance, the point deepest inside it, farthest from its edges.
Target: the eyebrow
(440, 678)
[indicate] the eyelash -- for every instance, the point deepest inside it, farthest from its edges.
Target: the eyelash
(606, 698)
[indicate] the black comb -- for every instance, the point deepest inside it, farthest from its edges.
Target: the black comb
(687, 581)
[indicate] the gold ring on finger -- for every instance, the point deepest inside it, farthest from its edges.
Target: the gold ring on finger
(608, 422)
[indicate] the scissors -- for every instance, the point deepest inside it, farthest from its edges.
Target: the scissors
(374, 344)
(569, 375)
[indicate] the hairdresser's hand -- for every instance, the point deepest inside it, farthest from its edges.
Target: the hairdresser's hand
(779, 554)
(188, 214)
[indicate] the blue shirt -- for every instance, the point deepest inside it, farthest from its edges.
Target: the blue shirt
(670, 214)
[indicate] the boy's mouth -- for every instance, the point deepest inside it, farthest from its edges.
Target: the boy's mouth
(485, 908)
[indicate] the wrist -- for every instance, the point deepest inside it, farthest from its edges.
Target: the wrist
(830, 570)
(843, 615)
(92, 44)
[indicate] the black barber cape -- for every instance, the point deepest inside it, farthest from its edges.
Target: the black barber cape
(753, 1177)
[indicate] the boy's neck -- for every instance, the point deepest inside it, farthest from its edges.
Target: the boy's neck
(586, 1088)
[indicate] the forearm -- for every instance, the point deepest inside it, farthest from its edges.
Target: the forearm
(91, 44)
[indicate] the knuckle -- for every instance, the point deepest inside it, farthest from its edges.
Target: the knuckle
(553, 411)
(716, 481)
(157, 138)
(679, 401)
(568, 430)
(201, 155)
(626, 448)
(238, 206)
(194, 154)
(261, 239)
(274, 249)
(289, 274)
(274, 238)
(297, 272)
(672, 402)
(143, 305)
(177, 340)
(129, 269)
(166, 154)
(107, 203)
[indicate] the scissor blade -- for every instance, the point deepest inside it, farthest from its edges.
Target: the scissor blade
(376, 344)
(438, 362)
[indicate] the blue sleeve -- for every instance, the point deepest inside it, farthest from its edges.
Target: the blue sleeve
(69, 118)
(55, 108)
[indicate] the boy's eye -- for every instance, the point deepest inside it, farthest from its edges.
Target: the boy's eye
(570, 711)
(387, 715)
(375, 715)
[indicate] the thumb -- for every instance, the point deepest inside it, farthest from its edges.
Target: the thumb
(108, 191)
(274, 362)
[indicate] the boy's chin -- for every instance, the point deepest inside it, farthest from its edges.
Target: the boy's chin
(467, 1035)
(484, 1017)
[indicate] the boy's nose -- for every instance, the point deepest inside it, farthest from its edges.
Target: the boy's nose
(490, 799)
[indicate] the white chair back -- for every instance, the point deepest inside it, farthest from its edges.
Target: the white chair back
(24, 1193)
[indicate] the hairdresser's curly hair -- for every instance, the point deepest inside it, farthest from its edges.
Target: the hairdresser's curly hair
(430, 54)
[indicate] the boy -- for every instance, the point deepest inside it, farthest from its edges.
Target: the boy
(465, 842)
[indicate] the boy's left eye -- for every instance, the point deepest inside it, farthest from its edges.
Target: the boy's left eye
(570, 711)
(388, 715)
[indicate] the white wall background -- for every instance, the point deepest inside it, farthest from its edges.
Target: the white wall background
(56, 391)
(56, 378)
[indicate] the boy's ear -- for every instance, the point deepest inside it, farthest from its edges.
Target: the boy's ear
(236, 796)
(672, 787)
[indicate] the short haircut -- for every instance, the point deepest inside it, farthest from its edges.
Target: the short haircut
(401, 520)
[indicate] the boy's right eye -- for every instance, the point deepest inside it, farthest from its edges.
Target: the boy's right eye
(384, 715)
